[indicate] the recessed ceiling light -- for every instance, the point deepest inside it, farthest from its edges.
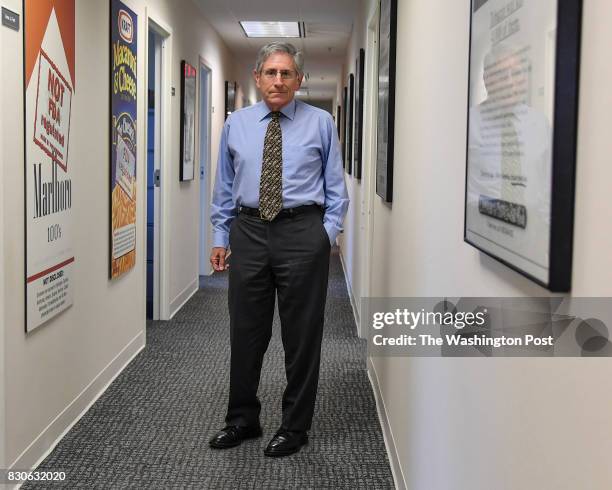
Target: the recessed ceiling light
(270, 29)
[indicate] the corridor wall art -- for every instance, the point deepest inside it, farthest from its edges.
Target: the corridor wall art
(123, 133)
(49, 85)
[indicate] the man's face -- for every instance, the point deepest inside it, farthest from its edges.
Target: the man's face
(278, 80)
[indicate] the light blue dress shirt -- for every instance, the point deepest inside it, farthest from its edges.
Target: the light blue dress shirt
(312, 165)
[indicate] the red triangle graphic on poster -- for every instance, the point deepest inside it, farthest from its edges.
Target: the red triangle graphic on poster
(36, 18)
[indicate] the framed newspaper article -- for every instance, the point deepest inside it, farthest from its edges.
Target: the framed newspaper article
(521, 141)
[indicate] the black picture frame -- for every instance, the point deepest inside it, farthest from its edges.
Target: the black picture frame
(387, 35)
(230, 97)
(349, 136)
(358, 134)
(339, 121)
(521, 215)
(344, 125)
(187, 124)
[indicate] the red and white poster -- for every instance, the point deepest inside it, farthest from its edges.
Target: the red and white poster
(49, 27)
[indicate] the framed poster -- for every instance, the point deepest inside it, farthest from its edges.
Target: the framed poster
(49, 90)
(123, 133)
(230, 98)
(358, 135)
(188, 105)
(386, 98)
(338, 120)
(344, 129)
(349, 124)
(521, 142)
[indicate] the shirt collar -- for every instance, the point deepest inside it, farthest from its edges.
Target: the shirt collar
(287, 111)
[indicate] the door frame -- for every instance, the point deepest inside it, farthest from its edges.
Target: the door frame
(204, 68)
(153, 22)
(370, 154)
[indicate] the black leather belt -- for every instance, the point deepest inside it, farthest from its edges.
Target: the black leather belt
(283, 212)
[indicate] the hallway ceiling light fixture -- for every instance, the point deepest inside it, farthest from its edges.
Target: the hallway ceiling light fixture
(272, 29)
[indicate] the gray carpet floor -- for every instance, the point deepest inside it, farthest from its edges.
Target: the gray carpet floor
(150, 429)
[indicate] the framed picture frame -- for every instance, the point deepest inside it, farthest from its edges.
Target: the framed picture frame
(230, 98)
(358, 134)
(344, 124)
(521, 139)
(339, 120)
(188, 105)
(386, 98)
(349, 125)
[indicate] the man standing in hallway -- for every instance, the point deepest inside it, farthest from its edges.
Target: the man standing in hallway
(279, 202)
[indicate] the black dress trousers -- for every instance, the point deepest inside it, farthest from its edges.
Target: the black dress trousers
(288, 257)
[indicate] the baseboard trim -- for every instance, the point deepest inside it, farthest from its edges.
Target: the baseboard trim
(350, 294)
(185, 295)
(46, 441)
(396, 469)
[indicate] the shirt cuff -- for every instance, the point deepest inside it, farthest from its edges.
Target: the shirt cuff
(220, 239)
(332, 233)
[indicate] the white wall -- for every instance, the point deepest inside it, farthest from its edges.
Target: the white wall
(53, 373)
(485, 423)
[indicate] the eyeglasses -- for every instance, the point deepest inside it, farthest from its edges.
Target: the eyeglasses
(272, 73)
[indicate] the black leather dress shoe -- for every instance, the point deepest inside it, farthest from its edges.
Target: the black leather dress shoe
(233, 435)
(286, 442)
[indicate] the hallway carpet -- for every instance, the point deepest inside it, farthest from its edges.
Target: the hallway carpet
(150, 429)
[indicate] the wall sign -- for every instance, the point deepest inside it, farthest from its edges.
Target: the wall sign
(10, 19)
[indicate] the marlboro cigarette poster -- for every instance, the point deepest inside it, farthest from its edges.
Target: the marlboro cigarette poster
(49, 84)
(123, 138)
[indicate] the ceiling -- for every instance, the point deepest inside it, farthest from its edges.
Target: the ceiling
(328, 28)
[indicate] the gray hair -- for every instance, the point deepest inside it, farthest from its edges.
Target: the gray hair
(280, 47)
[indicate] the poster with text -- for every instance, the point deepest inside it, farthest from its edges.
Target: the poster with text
(123, 138)
(509, 167)
(49, 84)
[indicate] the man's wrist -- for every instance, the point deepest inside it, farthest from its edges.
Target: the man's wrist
(220, 239)
(332, 232)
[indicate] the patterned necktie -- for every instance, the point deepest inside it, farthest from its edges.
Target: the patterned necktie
(271, 183)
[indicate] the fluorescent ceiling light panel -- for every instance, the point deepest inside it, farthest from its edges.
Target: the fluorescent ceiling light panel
(270, 29)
